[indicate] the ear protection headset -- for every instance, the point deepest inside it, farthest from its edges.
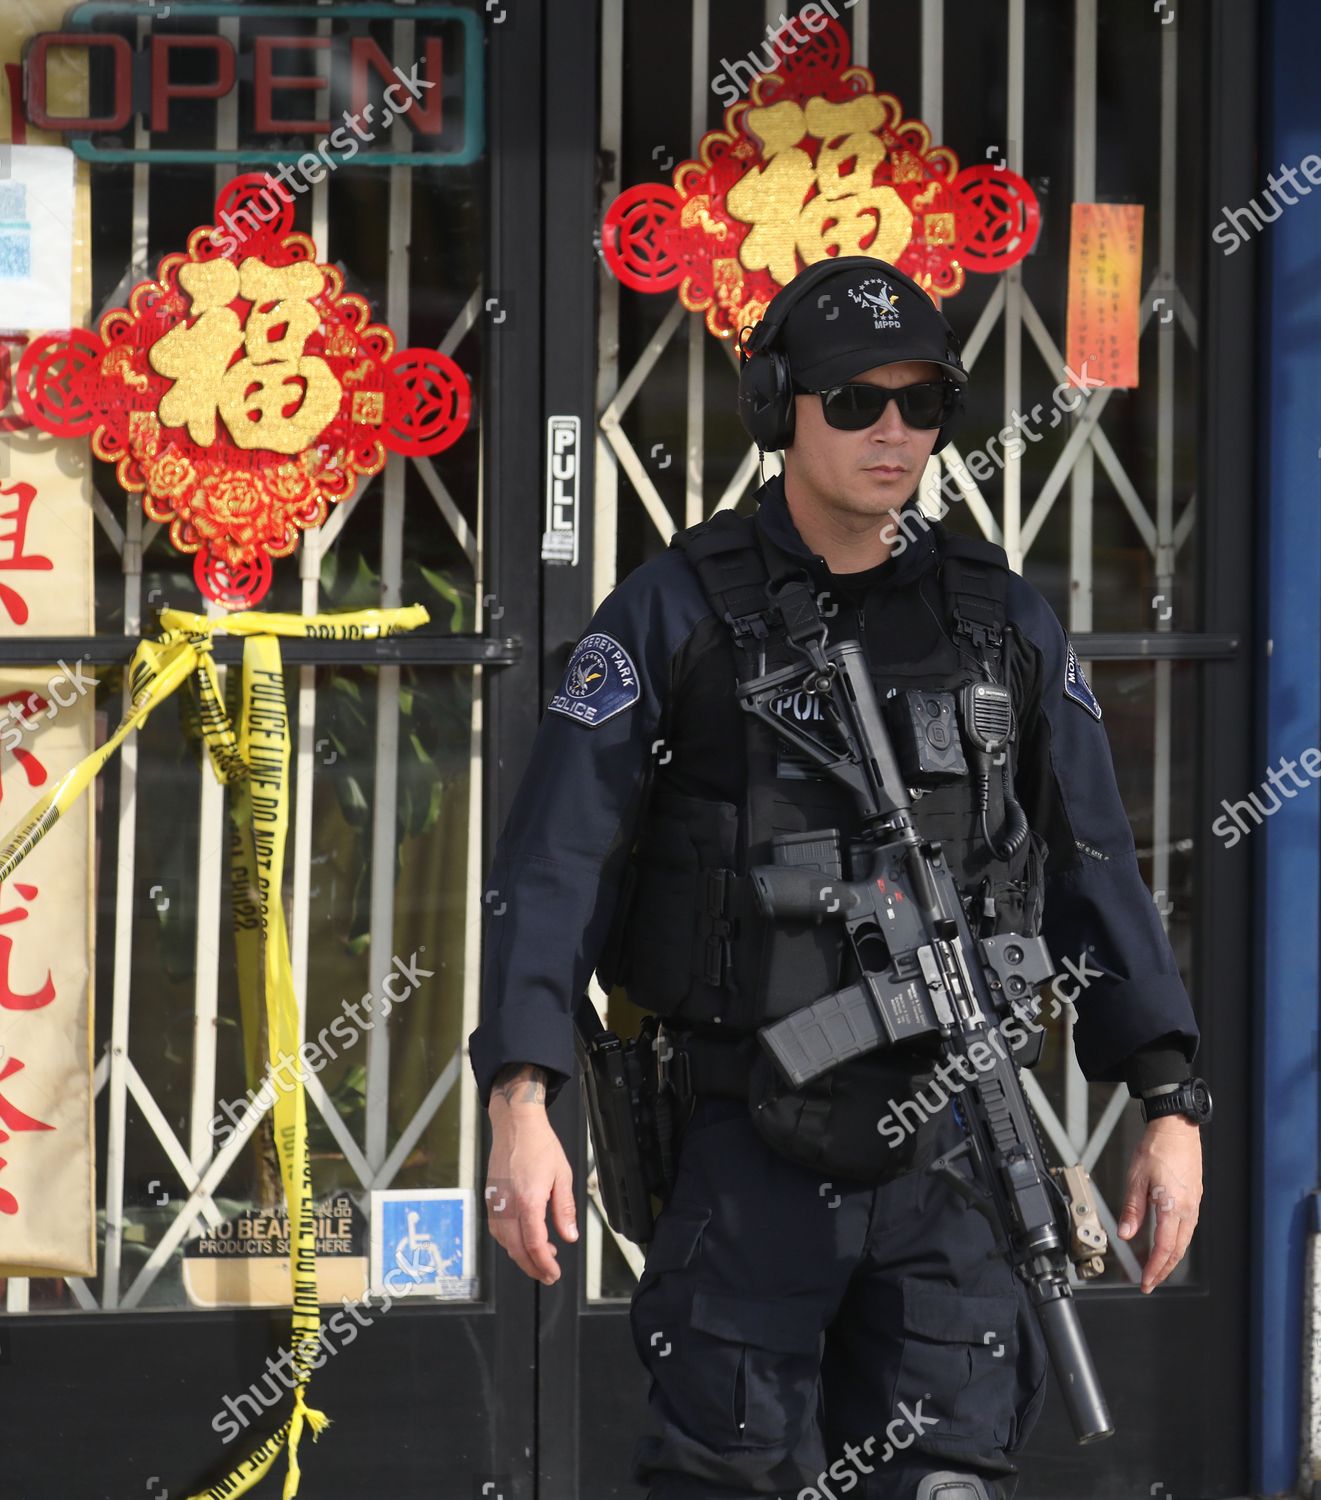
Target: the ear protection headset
(765, 381)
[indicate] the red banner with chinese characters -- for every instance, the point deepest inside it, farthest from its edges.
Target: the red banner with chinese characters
(47, 713)
(814, 163)
(1105, 291)
(47, 1166)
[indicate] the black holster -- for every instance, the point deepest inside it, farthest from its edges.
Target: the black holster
(636, 1105)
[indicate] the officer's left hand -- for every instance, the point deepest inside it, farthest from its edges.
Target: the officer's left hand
(1166, 1172)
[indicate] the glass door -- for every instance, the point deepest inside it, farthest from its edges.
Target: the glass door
(170, 1354)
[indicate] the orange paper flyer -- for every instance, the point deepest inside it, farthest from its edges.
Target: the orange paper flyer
(1105, 287)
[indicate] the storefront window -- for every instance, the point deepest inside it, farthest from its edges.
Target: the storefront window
(380, 894)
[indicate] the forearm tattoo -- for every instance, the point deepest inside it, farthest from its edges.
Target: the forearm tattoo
(520, 1083)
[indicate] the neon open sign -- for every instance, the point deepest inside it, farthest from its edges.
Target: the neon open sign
(436, 91)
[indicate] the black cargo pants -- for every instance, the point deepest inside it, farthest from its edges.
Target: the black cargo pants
(810, 1339)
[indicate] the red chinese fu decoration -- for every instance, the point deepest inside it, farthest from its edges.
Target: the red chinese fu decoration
(815, 163)
(243, 391)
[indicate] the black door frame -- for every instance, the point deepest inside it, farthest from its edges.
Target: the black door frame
(569, 267)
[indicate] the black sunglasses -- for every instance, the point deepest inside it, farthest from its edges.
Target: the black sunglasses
(930, 403)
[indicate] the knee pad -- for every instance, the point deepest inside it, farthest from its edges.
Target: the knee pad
(948, 1486)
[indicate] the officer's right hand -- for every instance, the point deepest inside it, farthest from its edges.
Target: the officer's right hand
(527, 1169)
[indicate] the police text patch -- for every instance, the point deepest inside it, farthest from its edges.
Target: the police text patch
(599, 682)
(1075, 685)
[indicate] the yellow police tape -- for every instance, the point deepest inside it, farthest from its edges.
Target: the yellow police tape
(255, 764)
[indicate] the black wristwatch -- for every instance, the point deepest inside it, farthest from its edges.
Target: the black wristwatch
(1191, 1098)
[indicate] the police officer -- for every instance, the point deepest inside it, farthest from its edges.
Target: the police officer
(817, 1312)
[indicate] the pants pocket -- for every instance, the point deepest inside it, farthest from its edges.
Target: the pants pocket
(764, 1359)
(735, 1385)
(1033, 1365)
(960, 1353)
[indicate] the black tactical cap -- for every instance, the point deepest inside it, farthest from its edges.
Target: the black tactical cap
(867, 315)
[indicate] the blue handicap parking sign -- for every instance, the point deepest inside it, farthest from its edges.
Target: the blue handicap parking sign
(422, 1242)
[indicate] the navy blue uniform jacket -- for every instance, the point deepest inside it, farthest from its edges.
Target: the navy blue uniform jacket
(649, 652)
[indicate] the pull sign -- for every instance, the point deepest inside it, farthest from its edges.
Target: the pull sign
(559, 541)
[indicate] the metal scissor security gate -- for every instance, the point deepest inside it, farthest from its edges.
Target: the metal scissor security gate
(1013, 350)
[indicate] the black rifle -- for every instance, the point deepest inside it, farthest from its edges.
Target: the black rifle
(922, 975)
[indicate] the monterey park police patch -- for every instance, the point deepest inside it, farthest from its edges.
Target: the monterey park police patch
(1075, 686)
(599, 682)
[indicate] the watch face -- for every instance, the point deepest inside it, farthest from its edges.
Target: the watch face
(1191, 1099)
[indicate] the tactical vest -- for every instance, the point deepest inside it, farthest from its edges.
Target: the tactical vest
(689, 942)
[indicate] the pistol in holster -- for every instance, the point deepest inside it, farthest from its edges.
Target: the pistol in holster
(636, 1097)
